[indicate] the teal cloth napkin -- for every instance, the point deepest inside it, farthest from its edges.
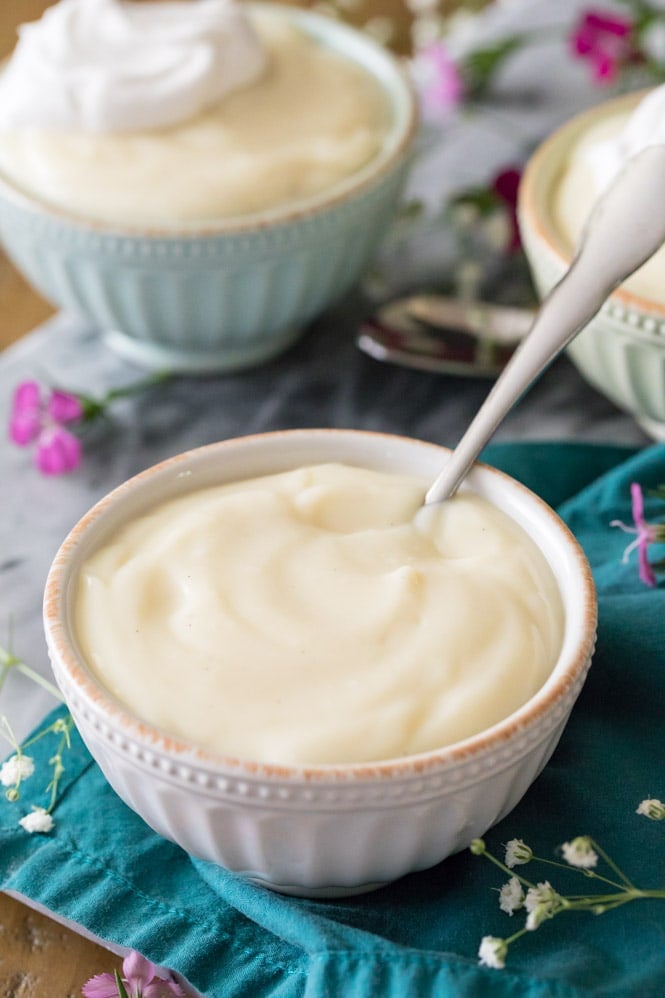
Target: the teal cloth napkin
(102, 867)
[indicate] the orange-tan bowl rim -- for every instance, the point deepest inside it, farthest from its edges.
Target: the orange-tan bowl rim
(563, 677)
(530, 200)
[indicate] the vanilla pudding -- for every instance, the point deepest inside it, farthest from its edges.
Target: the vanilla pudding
(179, 114)
(593, 162)
(320, 616)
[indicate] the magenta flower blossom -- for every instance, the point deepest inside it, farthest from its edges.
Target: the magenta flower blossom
(439, 81)
(139, 978)
(35, 419)
(604, 39)
(645, 534)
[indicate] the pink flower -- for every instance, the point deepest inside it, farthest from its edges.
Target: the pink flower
(505, 185)
(35, 420)
(604, 39)
(439, 80)
(139, 978)
(645, 534)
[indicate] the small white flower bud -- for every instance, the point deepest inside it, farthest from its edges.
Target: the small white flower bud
(517, 853)
(579, 852)
(511, 896)
(541, 903)
(492, 952)
(15, 769)
(652, 808)
(39, 820)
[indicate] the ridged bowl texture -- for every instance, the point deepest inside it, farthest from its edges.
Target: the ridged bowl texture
(322, 830)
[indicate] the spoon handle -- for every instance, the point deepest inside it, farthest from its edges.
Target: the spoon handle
(625, 228)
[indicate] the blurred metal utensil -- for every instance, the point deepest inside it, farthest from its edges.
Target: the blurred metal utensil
(505, 324)
(445, 335)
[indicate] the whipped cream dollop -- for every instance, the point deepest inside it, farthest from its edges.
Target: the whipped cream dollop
(613, 136)
(644, 127)
(114, 65)
(313, 118)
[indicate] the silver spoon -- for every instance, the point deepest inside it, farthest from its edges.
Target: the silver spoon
(423, 332)
(625, 228)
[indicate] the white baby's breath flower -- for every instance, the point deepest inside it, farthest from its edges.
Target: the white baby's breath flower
(511, 896)
(39, 820)
(652, 808)
(541, 903)
(15, 769)
(580, 853)
(517, 853)
(492, 952)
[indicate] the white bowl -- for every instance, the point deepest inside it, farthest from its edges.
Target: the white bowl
(234, 292)
(322, 830)
(621, 352)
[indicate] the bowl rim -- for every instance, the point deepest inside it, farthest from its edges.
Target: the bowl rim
(530, 201)
(362, 50)
(115, 714)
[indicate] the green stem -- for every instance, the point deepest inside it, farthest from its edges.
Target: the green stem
(4, 672)
(612, 865)
(122, 991)
(8, 733)
(507, 869)
(509, 940)
(138, 386)
(9, 661)
(585, 872)
(63, 724)
(94, 408)
(39, 680)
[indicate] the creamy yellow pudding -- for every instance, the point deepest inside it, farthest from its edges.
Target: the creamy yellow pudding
(304, 119)
(592, 163)
(320, 616)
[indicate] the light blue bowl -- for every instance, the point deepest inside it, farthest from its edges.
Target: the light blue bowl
(235, 292)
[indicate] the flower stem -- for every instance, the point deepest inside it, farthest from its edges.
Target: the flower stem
(612, 865)
(8, 733)
(588, 873)
(94, 408)
(62, 724)
(137, 386)
(507, 869)
(122, 991)
(39, 680)
(9, 661)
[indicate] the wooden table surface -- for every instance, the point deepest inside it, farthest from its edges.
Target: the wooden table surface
(38, 957)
